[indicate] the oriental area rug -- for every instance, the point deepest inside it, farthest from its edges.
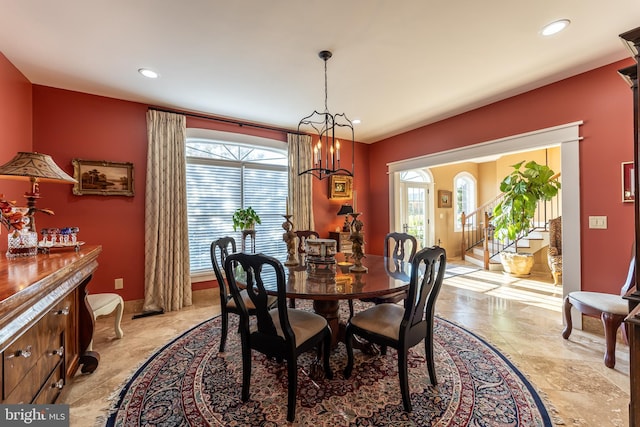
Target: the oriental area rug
(188, 383)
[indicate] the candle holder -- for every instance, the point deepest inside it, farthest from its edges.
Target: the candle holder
(289, 237)
(358, 242)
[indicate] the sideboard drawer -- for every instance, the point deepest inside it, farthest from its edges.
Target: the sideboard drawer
(57, 317)
(19, 358)
(47, 357)
(51, 388)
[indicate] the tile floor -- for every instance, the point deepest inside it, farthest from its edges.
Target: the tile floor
(521, 317)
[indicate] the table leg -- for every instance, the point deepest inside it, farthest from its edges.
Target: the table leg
(330, 310)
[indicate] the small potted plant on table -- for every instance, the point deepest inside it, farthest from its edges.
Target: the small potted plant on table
(246, 220)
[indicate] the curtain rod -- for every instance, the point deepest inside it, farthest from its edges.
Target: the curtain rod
(223, 120)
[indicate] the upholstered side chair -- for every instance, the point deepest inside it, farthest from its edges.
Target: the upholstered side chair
(610, 308)
(280, 332)
(402, 327)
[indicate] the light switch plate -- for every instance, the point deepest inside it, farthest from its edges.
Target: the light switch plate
(599, 222)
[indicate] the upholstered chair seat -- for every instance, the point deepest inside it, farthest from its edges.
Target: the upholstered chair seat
(381, 319)
(304, 324)
(609, 303)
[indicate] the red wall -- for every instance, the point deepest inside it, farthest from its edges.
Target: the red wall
(68, 125)
(325, 210)
(602, 100)
(15, 129)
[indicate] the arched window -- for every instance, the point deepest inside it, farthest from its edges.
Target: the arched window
(227, 171)
(415, 175)
(464, 196)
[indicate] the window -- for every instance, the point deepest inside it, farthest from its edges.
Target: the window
(414, 205)
(224, 175)
(464, 197)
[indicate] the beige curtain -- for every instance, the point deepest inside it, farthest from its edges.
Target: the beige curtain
(167, 277)
(300, 187)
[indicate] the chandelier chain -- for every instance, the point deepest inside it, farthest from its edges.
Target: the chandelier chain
(326, 92)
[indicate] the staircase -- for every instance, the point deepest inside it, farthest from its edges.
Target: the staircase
(481, 248)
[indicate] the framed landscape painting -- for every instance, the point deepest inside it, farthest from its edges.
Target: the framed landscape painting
(102, 178)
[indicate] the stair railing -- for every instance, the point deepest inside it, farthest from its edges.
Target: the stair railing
(477, 229)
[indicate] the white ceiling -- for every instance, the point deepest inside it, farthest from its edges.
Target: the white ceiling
(396, 65)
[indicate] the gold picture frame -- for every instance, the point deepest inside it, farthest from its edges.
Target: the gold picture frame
(444, 199)
(102, 178)
(340, 187)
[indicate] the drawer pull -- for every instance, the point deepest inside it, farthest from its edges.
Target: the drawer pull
(58, 384)
(62, 312)
(24, 353)
(59, 352)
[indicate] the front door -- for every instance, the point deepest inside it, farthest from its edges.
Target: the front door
(413, 215)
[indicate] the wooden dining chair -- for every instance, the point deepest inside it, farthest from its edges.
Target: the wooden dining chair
(280, 332)
(398, 247)
(392, 325)
(220, 250)
(303, 235)
(610, 308)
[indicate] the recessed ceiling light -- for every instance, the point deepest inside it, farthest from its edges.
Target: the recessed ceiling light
(555, 27)
(356, 121)
(148, 73)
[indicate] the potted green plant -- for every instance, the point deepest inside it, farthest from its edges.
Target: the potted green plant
(513, 216)
(245, 219)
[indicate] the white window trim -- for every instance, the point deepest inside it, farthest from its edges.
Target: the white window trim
(459, 175)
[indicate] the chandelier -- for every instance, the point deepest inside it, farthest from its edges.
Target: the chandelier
(327, 149)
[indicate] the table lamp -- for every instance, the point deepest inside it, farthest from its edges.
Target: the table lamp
(35, 167)
(345, 210)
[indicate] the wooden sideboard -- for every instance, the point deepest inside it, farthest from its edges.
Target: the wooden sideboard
(46, 324)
